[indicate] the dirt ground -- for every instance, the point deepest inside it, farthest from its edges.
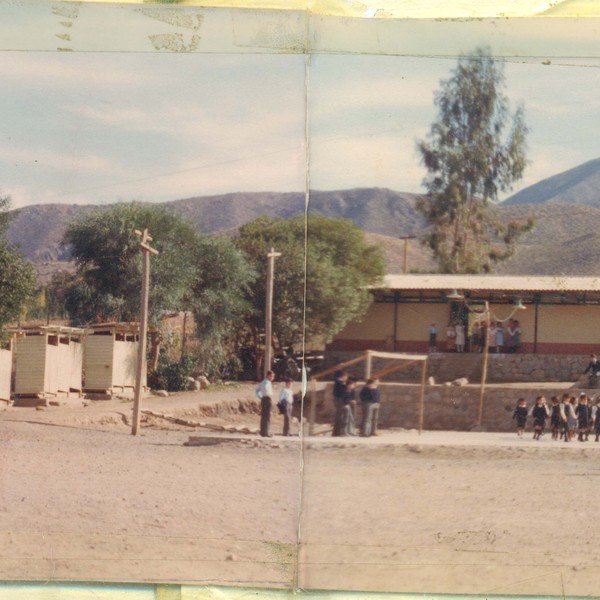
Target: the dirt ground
(443, 512)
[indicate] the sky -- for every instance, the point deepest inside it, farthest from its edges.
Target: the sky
(102, 127)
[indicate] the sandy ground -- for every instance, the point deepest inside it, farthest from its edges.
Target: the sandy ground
(443, 512)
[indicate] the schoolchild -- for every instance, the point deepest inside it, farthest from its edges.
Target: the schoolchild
(584, 417)
(539, 413)
(565, 409)
(555, 418)
(572, 417)
(597, 418)
(520, 416)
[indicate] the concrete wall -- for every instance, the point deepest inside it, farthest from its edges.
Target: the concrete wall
(502, 368)
(446, 408)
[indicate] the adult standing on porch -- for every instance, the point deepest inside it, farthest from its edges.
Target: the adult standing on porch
(264, 393)
(459, 328)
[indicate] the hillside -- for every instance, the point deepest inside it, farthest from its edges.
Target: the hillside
(38, 229)
(565, 240)
(580, 185)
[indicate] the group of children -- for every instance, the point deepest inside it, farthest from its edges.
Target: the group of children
(498, 337)
(568, 417)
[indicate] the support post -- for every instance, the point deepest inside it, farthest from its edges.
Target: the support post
(485, 363)
(271, 256)
(141, 358)
(312, 410)
(368, 365)
(422, 394)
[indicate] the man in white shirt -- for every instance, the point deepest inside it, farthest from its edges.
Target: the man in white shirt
(264, 393)
(286, 402)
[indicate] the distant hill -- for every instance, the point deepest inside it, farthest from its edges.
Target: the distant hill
(565, 240)
(38, 229)
(580, 185)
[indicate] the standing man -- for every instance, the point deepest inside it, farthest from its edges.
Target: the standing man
(369, 397)
(432, 331)
(339, 401)
(285, 404)
(264, 393)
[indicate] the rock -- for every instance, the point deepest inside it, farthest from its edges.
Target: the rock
(477, 427)
(230, 556)
(160, 393)
(461, 381)
(203, 381)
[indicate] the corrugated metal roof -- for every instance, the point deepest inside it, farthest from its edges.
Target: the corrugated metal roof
(510, 283)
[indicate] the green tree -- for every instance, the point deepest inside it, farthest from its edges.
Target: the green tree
(218, 300)
(17, 277)
(107, 253)
(337, 262)
(475, 149)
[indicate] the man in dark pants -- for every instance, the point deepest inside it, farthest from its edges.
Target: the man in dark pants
(369, 397)
(339, 401)
(264, 392)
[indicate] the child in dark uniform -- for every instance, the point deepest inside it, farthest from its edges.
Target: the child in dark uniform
(565, 409)
(539, 414)
(597, 418)
(520, 415)
(584, 417)
(555, 420)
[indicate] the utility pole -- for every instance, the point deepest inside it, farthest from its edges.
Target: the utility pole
(486, 352)
(271, 256)
(406, 238)
(143, 333)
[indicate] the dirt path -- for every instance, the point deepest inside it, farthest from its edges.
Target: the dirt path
(443, 512)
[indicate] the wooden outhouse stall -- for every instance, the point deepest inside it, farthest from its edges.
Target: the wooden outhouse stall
(49, 361)
(6, 357)
(110, 358)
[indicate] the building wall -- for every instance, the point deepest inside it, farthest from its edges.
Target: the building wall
(561, 329)
(445, 408)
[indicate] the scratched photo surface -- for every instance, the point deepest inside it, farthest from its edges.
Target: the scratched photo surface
(448, 510)
(203, 136)
(222, 117)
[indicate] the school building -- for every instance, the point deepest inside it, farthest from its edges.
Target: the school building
(561, 316)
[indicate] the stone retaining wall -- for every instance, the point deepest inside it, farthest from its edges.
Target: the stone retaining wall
(446, 408)
(502, 368)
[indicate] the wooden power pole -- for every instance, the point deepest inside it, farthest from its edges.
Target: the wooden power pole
(143, 333)
(271, 256)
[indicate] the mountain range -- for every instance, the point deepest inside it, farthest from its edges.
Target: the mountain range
(565, 207)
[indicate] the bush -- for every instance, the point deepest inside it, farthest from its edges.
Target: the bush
(172, 375)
